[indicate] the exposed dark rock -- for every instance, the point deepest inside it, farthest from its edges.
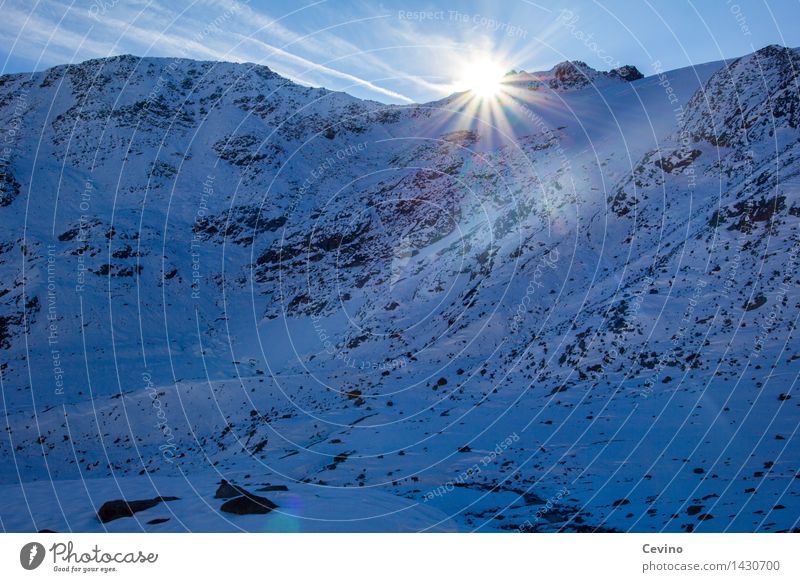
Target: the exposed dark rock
(677, 161)
(273, 488)
(248, 505)
(694, 509)
(757, 302)
(9, 188)
(626, 73)
(118, 508)
(158, 520)
(227, 490)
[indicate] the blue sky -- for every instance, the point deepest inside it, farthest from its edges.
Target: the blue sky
(398, 51)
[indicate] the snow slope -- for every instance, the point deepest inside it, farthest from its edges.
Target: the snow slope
(569, 309)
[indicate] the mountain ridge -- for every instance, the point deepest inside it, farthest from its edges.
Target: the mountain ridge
(290, 285)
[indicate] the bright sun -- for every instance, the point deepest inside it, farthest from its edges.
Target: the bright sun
(484, 77)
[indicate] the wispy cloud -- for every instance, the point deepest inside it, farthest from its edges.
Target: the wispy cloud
(234, 31)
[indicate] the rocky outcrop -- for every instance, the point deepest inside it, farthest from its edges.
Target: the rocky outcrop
(119, 508)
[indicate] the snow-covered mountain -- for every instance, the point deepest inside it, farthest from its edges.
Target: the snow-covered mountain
(568, 308)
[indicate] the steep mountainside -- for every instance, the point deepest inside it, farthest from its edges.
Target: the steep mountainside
(569, 308)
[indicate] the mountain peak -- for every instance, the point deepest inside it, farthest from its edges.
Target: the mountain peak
(627, 73)
(572, 75)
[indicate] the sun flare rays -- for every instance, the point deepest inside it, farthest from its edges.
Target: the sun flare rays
(483, 77)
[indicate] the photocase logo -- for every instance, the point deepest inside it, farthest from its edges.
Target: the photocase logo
(31, 555)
